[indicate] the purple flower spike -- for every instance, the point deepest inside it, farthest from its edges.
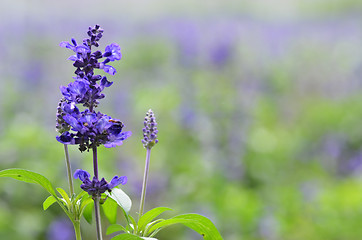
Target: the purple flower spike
(89, 128)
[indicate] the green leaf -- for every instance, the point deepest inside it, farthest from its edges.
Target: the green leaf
(149, 216)
(147, 238)
(80, 195)
(110, 210)
(126, 236)
(133, 223)
(88, 211)
(30, 177)
(85, 201)
(198, 223)
(121, 198)
(115, 228)
(48, 202)
(65, 196)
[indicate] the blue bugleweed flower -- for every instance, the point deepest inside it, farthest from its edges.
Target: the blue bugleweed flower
(96, 187)
(87, 128)
(150, 130)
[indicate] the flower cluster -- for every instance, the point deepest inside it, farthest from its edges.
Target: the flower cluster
(96, 187)
(88, 128)
(150, 130)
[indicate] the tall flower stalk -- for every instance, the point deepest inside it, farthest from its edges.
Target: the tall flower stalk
(149, 140)
(89, 129)
(97, 198)
(69, 170)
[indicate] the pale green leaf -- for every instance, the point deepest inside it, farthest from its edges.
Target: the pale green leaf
(48, 202)
(121, 198)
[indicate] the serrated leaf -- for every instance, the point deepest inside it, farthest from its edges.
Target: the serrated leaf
(149, 216)
(30, 177)
(48, 202)
(88, 211)
(126, 236)
(115, 228)
(121, 199)
(110, 210)
(198, 223)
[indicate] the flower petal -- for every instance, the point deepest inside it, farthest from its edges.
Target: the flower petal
(116, 181)
(81, 174)
(109, 69)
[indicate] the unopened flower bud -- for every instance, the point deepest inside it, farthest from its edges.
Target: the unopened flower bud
(150, 131)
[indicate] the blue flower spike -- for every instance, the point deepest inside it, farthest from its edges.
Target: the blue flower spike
(88, 128)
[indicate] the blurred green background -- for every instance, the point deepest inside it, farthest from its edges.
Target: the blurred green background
(259, 108)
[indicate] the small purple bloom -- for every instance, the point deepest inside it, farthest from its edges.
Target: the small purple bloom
(66, 138)
(97, 187)
(67, 45)
(117, 140)
(113, 52)
(116, 181)
(105, 82)
(108, 69)
(81, 174)
(76, 91)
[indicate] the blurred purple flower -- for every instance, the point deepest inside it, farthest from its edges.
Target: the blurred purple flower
(61, 229)
(221, 54)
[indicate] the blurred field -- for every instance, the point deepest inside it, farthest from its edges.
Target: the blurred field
(259, 107)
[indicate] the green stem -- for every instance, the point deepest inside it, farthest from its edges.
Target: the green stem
(78, 235)
(96, 199)
(69, 170)
(98, 218)
(144, 185)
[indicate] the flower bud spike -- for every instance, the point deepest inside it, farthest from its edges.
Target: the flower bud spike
(150, 131)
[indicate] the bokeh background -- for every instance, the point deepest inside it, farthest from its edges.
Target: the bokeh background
(259, 107)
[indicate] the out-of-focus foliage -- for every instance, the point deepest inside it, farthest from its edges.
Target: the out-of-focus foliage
(258, 108)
